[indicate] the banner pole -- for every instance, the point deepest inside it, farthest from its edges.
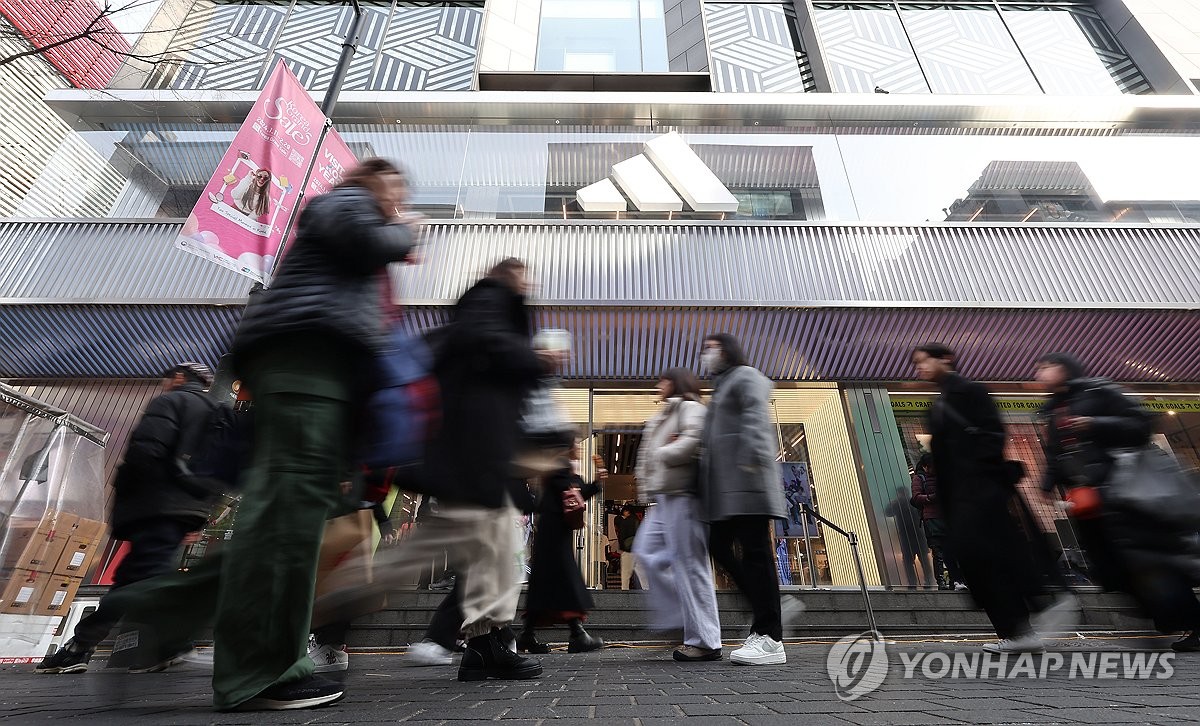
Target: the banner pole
(349, 48)
(287, 229)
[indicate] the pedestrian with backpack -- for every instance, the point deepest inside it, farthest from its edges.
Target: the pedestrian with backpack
(154, 507)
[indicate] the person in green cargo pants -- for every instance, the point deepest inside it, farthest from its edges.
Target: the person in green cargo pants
(305, 349)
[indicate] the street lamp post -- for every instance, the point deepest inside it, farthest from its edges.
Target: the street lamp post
(349, 47)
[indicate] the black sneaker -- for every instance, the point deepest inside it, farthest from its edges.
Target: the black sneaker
(487, 656)
(65, 660)
(309, 693)
(1189, 643)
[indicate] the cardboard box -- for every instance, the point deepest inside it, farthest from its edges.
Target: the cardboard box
(24, 589)
(39, 547)
(57, 596)
(76, 557)
(80, 550)
(86, 528)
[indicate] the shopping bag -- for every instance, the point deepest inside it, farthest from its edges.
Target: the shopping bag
(546, 436)
(346, 549)
(1149, 484)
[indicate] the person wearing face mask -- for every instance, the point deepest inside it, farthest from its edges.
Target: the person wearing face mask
(1008, 572)
(672, 546)
(1088, 420)
(741, 491)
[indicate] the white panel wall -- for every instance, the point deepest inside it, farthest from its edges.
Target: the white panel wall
(510, 35)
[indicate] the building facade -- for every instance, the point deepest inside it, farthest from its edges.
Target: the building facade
(832, 182)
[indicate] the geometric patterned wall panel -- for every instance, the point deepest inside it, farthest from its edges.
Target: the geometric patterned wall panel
(222, 45)
(403, 46)
(755, 48)
(1072, 50)
(866, 48)
(431, 49)
(946, 47)
(965, 49)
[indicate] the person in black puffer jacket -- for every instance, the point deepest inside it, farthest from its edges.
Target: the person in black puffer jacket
(306, 350)
(150, 510)
(1087, 421)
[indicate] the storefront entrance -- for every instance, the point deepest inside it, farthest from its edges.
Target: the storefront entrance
(816, 464)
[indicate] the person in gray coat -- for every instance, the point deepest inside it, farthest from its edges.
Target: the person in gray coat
(741, 492)
(672, 546)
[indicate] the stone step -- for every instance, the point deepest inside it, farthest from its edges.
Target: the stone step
(621, 616)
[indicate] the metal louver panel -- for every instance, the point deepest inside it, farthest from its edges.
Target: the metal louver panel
(637, 343)
(665, 264)
(863, 345)
(697, 264)
(110, 341)
(107, 261)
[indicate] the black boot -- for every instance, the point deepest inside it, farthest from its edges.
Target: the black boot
(1189, 643)
(487, 657)
(527, 642)
(580, 641)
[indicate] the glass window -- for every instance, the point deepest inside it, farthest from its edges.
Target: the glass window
(966, 49)
(1001, 48)
(602, 36)
(755, 48)
(877, 176)
(1072, 51)
(866, 48)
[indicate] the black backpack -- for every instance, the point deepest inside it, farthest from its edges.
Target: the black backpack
(210, 453)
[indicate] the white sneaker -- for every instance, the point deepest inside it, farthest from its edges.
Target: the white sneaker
(958, 587)
(328, 658)
(759, 650)
(427, 653)
(1061, 616)
(791, 609)
(1031, 643)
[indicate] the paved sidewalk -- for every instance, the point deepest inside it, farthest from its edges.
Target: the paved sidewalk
(636, 685)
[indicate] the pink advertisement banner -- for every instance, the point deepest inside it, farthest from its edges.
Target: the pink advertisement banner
(242, 214)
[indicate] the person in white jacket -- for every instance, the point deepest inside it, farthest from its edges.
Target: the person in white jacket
(672, 545)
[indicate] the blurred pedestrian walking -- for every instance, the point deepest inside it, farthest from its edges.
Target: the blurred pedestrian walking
(485, 366)
(1091, 426)
(306, 349)
(152, 509)
(1006, 571)
(673, 544)
(741, 491)
(557, 593)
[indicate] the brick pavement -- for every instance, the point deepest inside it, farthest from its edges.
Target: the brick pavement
(640, 686)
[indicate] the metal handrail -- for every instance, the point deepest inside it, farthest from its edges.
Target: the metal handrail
(852, 538)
